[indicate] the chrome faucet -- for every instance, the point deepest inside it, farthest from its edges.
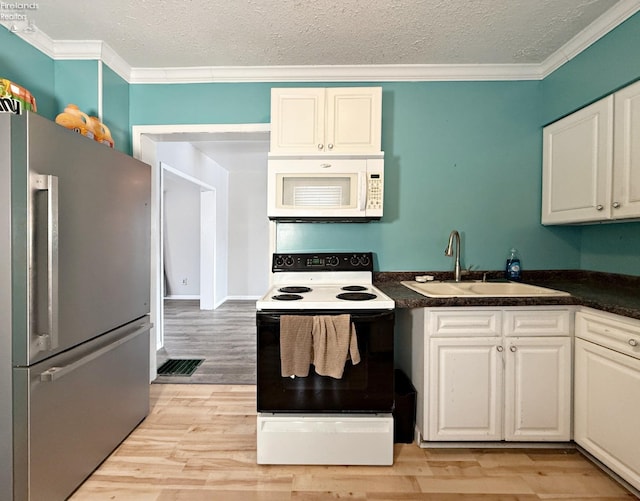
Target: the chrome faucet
(449, 252)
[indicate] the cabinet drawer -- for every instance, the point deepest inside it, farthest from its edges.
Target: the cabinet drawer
(467, 322)
(537, 322)
(619, 335)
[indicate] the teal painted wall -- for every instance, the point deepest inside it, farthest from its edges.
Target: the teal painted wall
(76, 82)
(610, 63)
(153, 104)
(27, 66)
(115, 108)
(458, 155)
(463, 155)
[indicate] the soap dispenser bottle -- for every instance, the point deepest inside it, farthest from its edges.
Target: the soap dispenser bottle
(513, 269)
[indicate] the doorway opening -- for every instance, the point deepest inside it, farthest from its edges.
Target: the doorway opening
(230, 161)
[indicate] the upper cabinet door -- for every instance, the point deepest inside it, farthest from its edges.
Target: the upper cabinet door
(625, 201)
(576, 173)
(354, 123)
(319, 121)
(297, 120)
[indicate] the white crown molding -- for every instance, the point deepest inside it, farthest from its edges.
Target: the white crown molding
(77, 50)
(329, 73)
(113, 60)
(592, 33)
(95, 49)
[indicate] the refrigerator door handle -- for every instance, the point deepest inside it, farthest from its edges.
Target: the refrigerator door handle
(55, 373)
(49, 184)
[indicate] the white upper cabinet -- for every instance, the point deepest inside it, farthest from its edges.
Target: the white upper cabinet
(325, 121)
(576, 179)
(591, 162)
(626, 153)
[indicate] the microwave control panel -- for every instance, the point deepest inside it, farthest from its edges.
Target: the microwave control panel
(374, 191)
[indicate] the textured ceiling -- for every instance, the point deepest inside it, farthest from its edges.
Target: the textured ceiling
(186, 33)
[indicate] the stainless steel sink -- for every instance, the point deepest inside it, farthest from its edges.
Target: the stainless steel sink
(480, 289)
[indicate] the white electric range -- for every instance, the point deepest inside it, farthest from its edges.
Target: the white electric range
(318, 419)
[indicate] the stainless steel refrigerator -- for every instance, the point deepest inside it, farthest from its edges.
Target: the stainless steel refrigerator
(74, 304)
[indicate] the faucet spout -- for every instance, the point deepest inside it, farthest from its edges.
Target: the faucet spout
(454, 235)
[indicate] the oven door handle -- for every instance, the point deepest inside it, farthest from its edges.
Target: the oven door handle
(360, 316)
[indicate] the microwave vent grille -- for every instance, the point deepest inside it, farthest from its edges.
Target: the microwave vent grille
(317, 196)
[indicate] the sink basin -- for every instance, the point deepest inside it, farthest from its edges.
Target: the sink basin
(481, 289)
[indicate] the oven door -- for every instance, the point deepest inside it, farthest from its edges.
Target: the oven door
(365, 387)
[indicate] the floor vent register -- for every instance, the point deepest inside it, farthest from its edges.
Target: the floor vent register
(179, 367)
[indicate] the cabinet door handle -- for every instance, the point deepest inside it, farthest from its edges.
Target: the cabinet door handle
(320, 146)
(616, 205)
(513, 349)
(499, 348)
(599, 207)
(633, 342)
(330, 146)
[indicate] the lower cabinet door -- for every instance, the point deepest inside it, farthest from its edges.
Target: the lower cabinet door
(465, 398)
(537, 389)
(607, 406)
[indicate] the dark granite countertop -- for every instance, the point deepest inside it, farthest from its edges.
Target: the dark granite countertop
(610, 292)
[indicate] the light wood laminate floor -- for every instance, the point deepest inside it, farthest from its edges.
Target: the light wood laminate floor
(198, 443)
(225, 338)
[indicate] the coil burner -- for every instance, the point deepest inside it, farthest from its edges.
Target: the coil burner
(356, 296)
(295, 289)
(287, 297)
(353, 288)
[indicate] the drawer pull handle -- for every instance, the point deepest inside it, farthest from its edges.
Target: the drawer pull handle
(633, 342)
(499, 348)
(513, 349)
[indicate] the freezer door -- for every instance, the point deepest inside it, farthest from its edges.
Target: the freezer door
(84, 269)
(71, 411)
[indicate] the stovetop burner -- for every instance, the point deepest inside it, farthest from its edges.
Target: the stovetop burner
(354, 288)
(295, 289)
(356, 296)
(316, 282)
(287, 297)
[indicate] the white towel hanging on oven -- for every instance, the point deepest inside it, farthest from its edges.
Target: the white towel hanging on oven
(334, 341)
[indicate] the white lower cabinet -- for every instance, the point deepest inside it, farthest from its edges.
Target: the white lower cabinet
(489, 374)
(607, 391)
(465, 394)
(537, 389)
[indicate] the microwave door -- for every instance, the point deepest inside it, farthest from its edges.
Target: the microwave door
(324, 190)
(319, 195)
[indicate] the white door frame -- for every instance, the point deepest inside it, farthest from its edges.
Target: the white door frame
(143, 139)
(207, 234)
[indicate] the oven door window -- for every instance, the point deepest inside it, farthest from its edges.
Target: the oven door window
(365, 387)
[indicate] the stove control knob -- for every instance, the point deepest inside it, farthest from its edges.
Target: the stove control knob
(354, 260)
(364, 260)
(288, 261)
(279, 261)
(332, 261)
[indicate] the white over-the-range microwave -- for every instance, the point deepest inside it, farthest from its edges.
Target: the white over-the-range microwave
(325, 189)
